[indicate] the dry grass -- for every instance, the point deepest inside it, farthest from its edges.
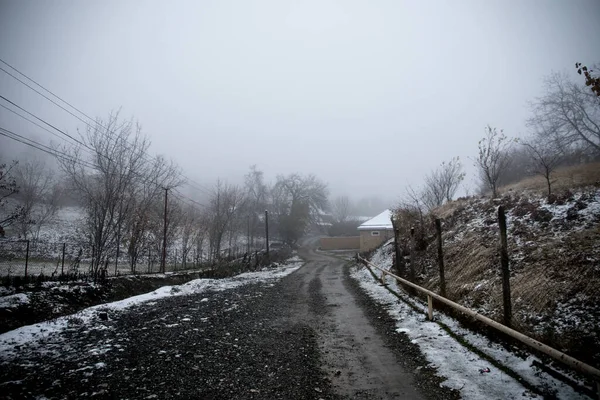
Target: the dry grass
(554, 261)
(449, 208)
(467, 263)
(571, 178)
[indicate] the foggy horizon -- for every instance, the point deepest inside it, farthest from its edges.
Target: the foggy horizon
(368, 97)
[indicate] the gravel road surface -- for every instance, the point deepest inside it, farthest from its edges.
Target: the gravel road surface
(311, 335)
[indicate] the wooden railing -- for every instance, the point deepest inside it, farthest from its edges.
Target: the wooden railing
(539, 346)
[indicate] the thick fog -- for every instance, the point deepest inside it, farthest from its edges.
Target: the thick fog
(369, 96)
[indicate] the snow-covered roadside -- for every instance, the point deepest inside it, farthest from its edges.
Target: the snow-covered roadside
(11, 341)
(461, 367)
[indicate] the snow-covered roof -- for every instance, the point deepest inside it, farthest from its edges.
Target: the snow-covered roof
(381, 221)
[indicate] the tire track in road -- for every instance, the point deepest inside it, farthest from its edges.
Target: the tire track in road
(355, 357)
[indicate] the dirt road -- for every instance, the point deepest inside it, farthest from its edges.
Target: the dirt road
(310, 335)
(357, 360)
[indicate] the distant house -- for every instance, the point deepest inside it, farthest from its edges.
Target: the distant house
(375, 231)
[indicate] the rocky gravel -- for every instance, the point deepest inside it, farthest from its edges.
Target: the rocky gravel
(258, 341)
(234, 344)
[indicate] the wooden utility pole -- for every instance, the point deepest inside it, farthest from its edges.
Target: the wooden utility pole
(248, 238)
(164, 246)
(118, 248)
(267, 232)
(505, 268)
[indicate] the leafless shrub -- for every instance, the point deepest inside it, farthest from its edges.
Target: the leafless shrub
(493, 157)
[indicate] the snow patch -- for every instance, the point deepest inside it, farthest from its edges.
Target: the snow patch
(14, 300)
(12, 341)
(453, 361)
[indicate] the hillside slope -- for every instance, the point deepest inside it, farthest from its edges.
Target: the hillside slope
(554, 251)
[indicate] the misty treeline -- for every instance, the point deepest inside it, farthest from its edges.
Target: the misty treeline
(37, 192)
(563, 129)
(131, 202)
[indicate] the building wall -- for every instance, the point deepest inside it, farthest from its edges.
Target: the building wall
(369, 242)
(340, 243)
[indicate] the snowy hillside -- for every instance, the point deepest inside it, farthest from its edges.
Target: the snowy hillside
(64, 227)
(554, 260)
(554, 252)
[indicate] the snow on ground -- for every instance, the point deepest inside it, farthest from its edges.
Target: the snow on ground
(10, 342)
(382, 258)
(456, 363)
(64, 227)
(13, 300)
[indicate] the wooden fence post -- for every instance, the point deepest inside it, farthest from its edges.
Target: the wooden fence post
(430, 308)
(440, 251)
(398, 262)
(505, 268)
(411, 271)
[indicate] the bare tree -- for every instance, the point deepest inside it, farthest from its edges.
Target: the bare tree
(442, 183)
(296, 202)
(432, 195)
(544, 159)
(39, 196)
(189, 231)
(200, 236)
(452, 176)
(341, 208)
(493, 157)
(413, 202)
(117, 151)
(174, 220)
(225, 204)
(568, 112)
(143, 226)
(516, 170)
(8, 187)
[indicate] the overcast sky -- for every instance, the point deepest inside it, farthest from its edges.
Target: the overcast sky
(368, 95)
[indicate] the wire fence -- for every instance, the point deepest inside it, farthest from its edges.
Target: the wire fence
(556, 301)
(25, 261)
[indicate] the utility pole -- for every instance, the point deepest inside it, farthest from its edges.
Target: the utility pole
(267, 232)
(248, 238)
(164, 246)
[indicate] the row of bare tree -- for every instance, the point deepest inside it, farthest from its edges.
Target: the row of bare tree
(564, 129)
(133, 206)
(38, 194)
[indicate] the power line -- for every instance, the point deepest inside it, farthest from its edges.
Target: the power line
(39, 146)
(188, 180)
(92, 152)
(41, 120)
(47, 90)
(46, 149)
(59, 154)
(182, 197)
(41, 94)
(32, 122)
